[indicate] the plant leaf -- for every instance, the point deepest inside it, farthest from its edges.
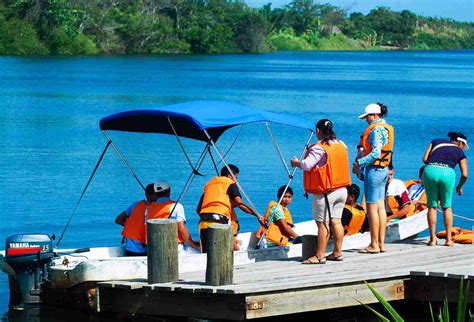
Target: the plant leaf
(460, 305)
(431, 312)
(395, 316)
(379, 315)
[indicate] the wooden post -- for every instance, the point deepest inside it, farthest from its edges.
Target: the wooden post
(162, 253)
(220, 255)
(310, 244)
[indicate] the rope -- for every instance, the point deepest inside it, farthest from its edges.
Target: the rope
(457, 216)
(83, 192)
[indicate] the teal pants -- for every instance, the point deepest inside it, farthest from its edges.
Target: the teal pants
(439, 185)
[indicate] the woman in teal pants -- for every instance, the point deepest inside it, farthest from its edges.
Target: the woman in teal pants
(441, 157)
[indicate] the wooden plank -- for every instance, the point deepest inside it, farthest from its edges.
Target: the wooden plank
(291, 302)
(305, 279)
(290, 281)
(129, 285)
(430, 288)
(173, 304)
(381, 261)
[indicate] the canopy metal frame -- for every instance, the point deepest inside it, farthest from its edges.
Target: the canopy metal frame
(195, 168)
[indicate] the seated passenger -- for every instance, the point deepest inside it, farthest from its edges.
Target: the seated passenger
(354, 218)
(397, 202)
(157, 205)
(220, 196)
(417, 194)
(280, 230)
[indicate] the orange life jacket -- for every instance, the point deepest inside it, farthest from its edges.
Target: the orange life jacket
(215, 199)
(459, 235)
(358, 217)
(387, 150)
(419, 206)
(273, 232)
(135, 225)
(333, 175)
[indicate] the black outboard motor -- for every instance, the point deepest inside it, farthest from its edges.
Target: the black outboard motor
(27, 257)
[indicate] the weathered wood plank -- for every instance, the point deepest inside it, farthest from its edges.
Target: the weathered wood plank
(259, 306)
(178, 304)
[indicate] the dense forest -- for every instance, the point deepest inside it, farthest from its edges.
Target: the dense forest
(86, 27)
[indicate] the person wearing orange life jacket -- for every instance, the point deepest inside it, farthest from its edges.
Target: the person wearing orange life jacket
(220, 196)
(377, 143)
(417, 193)
(157, 205)
(397, 200)
(280, 230)
(326, 176)
(354, 218)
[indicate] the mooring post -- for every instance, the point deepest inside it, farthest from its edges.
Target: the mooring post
(309, 247)
(162, 251)
(220, 255)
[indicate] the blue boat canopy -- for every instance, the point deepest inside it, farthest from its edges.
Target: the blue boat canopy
(189, 119)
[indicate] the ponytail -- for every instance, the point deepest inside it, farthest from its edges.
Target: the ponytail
(383, 109)
(325, 127)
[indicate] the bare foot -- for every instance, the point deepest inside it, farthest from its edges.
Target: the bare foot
(449, 243)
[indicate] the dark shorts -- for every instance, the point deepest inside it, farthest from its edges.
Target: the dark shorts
(129, 253)
(206, 221)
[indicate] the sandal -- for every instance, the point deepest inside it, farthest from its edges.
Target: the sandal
(368, 251)
(331, 257)
(315, 260)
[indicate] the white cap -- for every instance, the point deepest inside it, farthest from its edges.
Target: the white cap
(160, 186)
(373, 108)
(466, 147)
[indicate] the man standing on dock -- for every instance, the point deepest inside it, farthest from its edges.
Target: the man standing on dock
(220, 196)
(157, 205)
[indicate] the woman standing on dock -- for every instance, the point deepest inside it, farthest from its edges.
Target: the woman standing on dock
(441, 157)
(377, 144)
(326, 176)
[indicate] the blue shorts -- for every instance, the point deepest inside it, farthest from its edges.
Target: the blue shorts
(374, 184)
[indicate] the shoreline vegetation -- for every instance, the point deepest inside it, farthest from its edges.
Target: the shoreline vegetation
(91, 27)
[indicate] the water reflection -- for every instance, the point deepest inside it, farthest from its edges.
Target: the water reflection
(53, 314)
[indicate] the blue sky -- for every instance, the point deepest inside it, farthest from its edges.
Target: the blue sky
(461, 10)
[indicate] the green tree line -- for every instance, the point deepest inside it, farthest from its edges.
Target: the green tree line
(86, 27)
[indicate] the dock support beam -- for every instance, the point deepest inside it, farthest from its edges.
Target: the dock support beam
(220, 255)
(162, 253)
(309, 247)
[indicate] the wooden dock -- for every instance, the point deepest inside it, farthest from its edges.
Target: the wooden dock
(271, 288)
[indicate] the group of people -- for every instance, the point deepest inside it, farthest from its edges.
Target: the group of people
(326, 176)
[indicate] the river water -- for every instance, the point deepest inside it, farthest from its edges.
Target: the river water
(50, 141)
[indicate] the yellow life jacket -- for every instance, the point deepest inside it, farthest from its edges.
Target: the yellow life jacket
(135, 225)
(358, 217)
(333, 175)
(215, 198)
(273, 232)
(387, 150)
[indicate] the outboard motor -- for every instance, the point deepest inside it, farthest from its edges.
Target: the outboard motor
(27, 257)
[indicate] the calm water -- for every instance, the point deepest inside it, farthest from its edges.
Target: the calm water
(51, 107)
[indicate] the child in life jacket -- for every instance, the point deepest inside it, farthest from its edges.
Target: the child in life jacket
(280, 230)
(354, 219)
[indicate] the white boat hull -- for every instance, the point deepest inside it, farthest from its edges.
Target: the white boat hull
(109, 263)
